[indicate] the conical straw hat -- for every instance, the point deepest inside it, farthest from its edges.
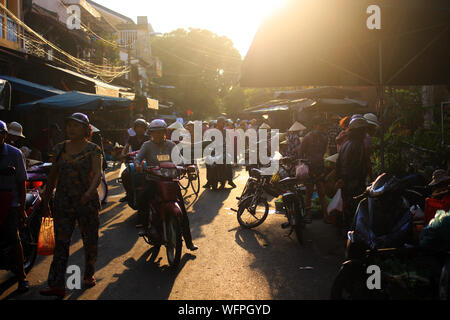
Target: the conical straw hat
(176, 125)
(297, 126)
(333, 158)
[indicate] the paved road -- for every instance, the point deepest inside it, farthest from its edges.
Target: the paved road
(232, 263)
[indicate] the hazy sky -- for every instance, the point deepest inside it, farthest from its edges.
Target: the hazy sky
(237, 19)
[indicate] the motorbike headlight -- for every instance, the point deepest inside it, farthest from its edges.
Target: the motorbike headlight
(171, 173)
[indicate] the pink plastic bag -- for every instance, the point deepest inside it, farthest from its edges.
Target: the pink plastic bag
(302, 171)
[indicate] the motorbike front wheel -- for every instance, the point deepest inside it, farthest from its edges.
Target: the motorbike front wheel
(250, 216)
(174, 243)
(350, 283)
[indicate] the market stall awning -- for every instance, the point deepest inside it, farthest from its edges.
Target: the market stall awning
(351, 43)
(280, 105)
(76, 101)
(338, 106)
(31, 88)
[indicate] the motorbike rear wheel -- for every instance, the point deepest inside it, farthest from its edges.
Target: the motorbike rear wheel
(174, 244)
(251, 217)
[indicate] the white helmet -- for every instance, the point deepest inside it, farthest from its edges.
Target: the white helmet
(157, 125)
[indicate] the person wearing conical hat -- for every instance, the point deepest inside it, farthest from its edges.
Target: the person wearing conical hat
(297, 127)
(293, 139)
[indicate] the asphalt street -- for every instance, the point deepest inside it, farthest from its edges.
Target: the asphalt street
(231, 263)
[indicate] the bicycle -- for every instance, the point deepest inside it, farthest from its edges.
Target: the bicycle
(189, 176)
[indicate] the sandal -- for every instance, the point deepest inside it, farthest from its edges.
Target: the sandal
(90, 282)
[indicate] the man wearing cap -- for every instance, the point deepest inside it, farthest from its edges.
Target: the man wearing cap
(351, 168)
(12, 157)
(159, 145)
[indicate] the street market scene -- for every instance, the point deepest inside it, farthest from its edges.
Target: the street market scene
(240, 150)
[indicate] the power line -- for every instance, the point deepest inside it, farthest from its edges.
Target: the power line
(97, 70)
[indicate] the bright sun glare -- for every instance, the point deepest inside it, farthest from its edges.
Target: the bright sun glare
(237, 19)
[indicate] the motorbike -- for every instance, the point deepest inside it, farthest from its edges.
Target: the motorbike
(30, 233)
(254, 204)
(164, 214)
(383, 235)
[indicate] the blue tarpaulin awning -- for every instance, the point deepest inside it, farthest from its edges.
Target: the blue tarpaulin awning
(31, 88)
(76, 101)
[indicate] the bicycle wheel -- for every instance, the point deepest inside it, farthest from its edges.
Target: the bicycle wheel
(184, 180)
(194, 178)
(252, 216)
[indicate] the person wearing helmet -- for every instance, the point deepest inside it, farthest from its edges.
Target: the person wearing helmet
(77, 169)
(134, 144)
(159, 145)
(351, 169)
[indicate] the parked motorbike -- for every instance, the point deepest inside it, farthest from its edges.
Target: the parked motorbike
(164, 214)
(253, 207)
(30, 233)
(383, 235)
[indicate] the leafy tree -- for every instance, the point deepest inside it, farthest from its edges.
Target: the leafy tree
(202, 66)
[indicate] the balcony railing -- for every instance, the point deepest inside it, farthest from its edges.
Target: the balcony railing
(2, 18)
(12, 30)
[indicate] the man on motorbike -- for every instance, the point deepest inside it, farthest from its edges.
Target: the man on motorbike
(158, 145)
(12, 157)
(134, 144)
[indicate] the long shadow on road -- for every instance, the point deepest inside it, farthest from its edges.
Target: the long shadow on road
(206, 209)
(293, 271)
(144, 280)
